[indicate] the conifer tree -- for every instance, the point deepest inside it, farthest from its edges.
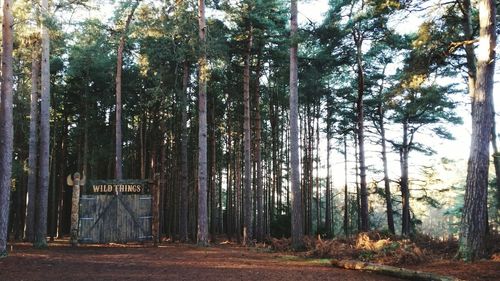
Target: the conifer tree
(6, 123)
(296, 198)
(43, 177)
(202, 128)
(474, 218)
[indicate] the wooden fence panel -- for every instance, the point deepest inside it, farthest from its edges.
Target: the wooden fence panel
(120, 218)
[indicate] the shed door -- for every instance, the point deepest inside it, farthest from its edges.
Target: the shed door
(115, 218)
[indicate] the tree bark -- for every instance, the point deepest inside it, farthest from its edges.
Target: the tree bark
(469, 48)
(142, 145)
(247, 187)
(62, 225)
(365, 225)
(274, 208)
(405, 192)
(237, 187)
(230, 174)
(258, 156)
(346, 194)
(496, 160)
(213, 170)
(387, 184)
(297, 225)
(328, 217)
(183, 213)
(474, 217)
(33, 149)
(202, 236)
(6, 123)
(317, 160)
(356, 182)
(44, 157)
(310, 169)
(118, 90)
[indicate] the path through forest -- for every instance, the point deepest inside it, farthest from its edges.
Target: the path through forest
(167, 262)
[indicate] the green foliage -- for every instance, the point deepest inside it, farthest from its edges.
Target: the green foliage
(398, 71)
(366, 255)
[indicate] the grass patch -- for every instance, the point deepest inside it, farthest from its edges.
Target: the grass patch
(305, 260)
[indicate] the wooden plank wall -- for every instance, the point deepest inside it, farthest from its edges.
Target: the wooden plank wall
(111, 218)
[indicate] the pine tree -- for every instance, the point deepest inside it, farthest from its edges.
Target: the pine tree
(247, 186)
(33, 148)
(296, 199)
(118, 92)
(202, 236)
(6, 123)
(43, 180)
(474, 217)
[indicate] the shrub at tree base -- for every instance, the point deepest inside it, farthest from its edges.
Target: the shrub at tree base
(281, 245)
(367, 247)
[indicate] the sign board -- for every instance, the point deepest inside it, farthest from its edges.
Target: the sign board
(116, 186)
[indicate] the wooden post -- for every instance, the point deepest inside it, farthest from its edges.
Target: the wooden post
(155, 193)
(75, 208)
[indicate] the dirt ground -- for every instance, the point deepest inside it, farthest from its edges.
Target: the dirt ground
(477, 271)
(172, 261)
(167, 262)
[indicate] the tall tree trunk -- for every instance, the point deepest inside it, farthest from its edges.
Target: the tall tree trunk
(118, 84)
(213, 170)
(297, 225)
(163, 179)
(318, 193)
(328, 217)
(142, 145)
(387, 184)
(310, 168)
(33, 149)
(230, 174)
(285, 150)
(258, 155)
(6, 123)
(237, 187)
(274, 208)
(466, 9)
(365, 225)
(405, 191)
(202, 236)
(474, 216)
(305, 165)
(43, 180)
(247, 187)
(356, 182)
(346, 194)
(62, 177)
(220, 214)
(496, 161)
(53, 193)
(469, 47)
(183, 212)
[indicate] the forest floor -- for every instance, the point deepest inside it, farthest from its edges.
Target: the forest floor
(169, 261)
(224, 261)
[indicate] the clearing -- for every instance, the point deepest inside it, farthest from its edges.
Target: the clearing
(173, 261)
(167, 262)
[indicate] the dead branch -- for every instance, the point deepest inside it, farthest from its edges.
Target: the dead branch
(392, 271)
